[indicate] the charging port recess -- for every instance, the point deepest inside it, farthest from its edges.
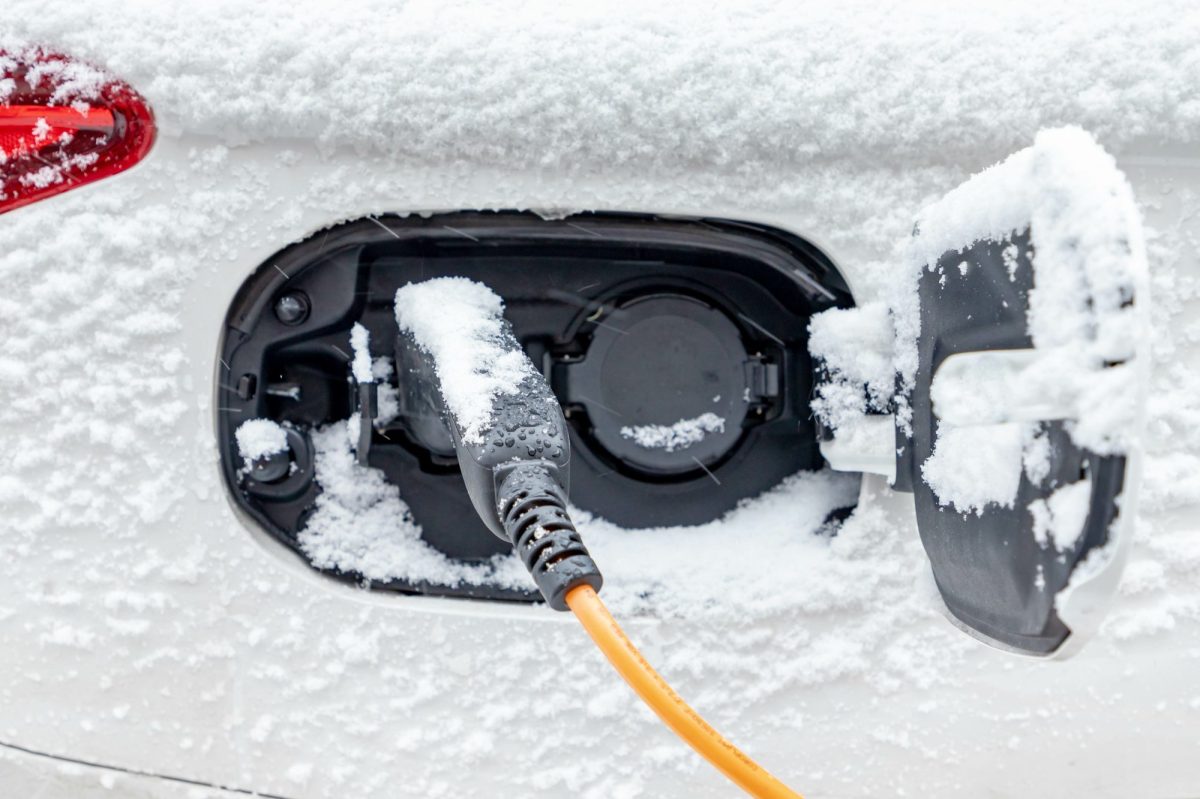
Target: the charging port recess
(677, 347)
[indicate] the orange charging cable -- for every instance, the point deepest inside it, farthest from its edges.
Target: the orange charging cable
(752, 778)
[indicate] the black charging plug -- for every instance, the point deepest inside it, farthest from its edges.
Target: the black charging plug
(517, 472)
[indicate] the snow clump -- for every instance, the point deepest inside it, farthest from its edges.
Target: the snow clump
(258, 438)
(680, 435)
(460, 323)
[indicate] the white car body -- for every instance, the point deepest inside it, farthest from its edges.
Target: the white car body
(146, 626)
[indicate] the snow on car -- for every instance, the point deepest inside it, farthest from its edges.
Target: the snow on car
(868, 327)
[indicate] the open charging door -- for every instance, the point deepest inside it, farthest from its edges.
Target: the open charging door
(1020, 348)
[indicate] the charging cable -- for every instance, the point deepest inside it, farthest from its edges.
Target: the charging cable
(668, 705)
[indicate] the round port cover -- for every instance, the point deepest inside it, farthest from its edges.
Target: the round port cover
(664, 383)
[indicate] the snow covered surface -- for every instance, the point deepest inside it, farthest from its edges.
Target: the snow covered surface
(171, 638)
(1059, 519)
(976, 466)
(461, 324)
(361, 524)
(382, 370)
(360, 344)
(857, 347)
(680, 435)
(743, 81)
(257, 438)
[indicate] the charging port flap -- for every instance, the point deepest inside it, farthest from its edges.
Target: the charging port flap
(1018, 431)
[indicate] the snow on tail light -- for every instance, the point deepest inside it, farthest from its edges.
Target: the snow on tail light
(64, 124)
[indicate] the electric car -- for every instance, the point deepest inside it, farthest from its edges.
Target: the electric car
(868, 339)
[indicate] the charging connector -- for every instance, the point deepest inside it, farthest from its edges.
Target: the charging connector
(533, 509)
(515, 461)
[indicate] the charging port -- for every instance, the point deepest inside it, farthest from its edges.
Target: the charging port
(676, 347)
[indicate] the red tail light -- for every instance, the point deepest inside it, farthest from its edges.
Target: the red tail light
(64, 124)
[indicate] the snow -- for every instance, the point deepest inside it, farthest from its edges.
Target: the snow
(460, 323)
(513, 87)
(361, 366)
(856, 346)
(361, 524)
(1094, 563)
(856, 342)
(782, 521)
(976, 466)
(1036, 458)
(257, 438)
(1059, 519)
(1068, 187)
(680, 435)
(382, 370)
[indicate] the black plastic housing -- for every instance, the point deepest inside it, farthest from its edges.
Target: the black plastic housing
(560, 280)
